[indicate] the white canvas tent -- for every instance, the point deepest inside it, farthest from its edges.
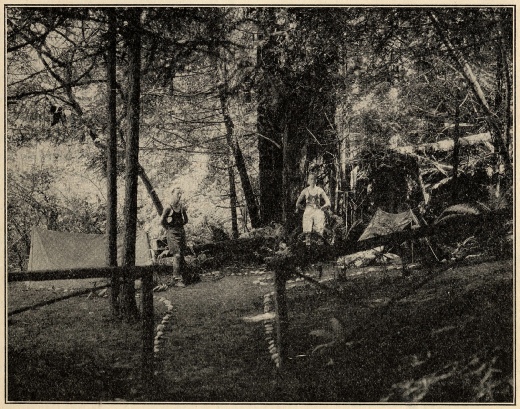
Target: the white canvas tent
(383, 223)
(53, 250)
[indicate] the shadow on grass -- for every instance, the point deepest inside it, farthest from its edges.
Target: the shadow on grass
(49, 375)
(450, 342)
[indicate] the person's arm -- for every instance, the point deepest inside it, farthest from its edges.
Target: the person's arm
(300, 198)
(325, 199)
(164, 216)
(184, 215)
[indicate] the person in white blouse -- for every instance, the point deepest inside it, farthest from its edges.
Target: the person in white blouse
(313, 216)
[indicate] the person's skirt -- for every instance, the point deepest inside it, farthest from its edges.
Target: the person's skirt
(176, 239)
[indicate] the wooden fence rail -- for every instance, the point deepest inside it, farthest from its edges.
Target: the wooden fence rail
(284, 265)
(147, 316)
(80, 273)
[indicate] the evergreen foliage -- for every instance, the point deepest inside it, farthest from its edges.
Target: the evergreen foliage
(271, 92)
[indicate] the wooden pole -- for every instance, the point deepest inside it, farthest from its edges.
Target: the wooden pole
(82, 273)
(127, 305)
(455, 156)
(281, 320)
(233, 200)
(347, 209)
(285, 183)
(54, 300)
(147, 364)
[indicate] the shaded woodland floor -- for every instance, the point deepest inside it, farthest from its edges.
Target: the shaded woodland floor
(450, 339)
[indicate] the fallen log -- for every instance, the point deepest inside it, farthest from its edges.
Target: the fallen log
(230, 245)
(299, 255)
(446, 145)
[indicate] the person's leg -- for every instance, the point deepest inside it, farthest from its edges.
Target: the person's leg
(319, 221)
(307, 223)
(174, 246)
(176, 265)
(177, 271)
(307, 220)
(188, 277)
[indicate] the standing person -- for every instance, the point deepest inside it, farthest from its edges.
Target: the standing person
(173, 219)
(313, 216)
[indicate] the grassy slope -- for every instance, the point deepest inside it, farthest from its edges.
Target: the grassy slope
(449, 340)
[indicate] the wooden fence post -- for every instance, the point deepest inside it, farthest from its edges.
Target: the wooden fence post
(281, 319)
(147, 365)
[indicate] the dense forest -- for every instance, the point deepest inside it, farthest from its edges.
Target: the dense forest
(394, 108)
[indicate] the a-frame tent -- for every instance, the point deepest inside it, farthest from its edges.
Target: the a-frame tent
(53, 250)
(383, 223)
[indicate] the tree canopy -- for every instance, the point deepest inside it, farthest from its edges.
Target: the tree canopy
(267, 92)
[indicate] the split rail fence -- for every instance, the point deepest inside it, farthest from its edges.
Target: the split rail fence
(283, 268)
(145, 273)
(284, 265)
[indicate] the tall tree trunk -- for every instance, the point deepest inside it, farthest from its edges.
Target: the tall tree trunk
(128, 304)
(506, 107)
(270, 172)
(249, 195)
(111, 224)
(142, 173)
(286, 205)
(455, 158)
(238, 158)
(150, 189)
(340, 194)
(333, 176)
(233, 201)
(270, 166)
(499, 77)
(507, 99)
(496, 127)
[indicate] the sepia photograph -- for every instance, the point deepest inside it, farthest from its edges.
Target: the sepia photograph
(292, 204)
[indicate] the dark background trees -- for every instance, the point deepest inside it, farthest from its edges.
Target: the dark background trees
(248, 100)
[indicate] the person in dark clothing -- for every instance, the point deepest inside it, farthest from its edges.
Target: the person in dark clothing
(173, 219)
